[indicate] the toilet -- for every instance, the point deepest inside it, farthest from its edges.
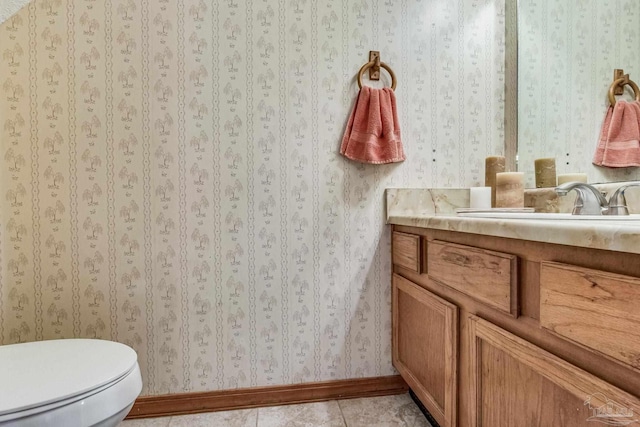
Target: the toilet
(67, 383)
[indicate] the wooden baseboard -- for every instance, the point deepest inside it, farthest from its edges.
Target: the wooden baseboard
(224, 400)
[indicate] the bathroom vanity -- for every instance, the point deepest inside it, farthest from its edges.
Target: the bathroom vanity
(518, 322)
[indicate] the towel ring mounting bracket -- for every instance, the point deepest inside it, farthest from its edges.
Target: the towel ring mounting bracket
(620, 80)
(374, 66)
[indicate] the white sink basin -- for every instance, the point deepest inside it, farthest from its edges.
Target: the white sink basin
(550, 216)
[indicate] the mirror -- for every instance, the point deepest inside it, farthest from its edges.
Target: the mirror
(10, 7)
(567, 53)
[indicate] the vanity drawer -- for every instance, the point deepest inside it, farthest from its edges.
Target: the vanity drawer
(594, 308)
(488, 276)
(406, 251)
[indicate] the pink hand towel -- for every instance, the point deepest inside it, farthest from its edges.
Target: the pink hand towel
(373, 131)
(619, 145)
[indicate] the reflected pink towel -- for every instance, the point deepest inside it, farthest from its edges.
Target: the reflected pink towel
(373, 131)
(619, 145)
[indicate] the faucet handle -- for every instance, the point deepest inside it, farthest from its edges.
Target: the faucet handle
(618, 201)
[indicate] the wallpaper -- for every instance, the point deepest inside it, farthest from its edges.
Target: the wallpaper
(567, 53)
(171, 177)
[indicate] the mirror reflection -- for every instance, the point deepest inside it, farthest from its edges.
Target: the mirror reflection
(567, 53)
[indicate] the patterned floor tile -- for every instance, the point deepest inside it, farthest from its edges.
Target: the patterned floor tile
(321, 414)
(385, 411)
(147, 422)
(242, 418)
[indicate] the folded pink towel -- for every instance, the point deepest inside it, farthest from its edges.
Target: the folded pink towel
(619, 145)
(373, 131)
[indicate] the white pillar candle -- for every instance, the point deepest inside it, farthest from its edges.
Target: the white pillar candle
(572, 177)
(480, 197)
(510, 190)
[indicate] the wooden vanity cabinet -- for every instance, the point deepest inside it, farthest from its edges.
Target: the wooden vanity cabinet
(490, 331)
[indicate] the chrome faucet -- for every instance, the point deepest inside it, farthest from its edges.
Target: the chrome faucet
(618, 202)
(589, 201)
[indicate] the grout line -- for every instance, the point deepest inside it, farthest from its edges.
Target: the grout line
(257, 416)
(344, 420)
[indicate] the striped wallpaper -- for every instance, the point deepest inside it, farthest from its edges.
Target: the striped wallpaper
(171, 177)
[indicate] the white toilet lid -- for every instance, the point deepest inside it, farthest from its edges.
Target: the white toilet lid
(39, 373)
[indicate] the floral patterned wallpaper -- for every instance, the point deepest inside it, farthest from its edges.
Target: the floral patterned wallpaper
(171, 177)
(567, 53)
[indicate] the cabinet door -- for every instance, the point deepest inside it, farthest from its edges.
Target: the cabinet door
(425, 343)
(516, 384)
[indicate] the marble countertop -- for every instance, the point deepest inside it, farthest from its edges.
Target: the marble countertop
(435, 209)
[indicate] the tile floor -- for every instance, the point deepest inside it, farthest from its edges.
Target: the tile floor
(385, 411)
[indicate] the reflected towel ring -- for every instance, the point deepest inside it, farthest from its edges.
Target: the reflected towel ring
(620, 83)
(370, 64)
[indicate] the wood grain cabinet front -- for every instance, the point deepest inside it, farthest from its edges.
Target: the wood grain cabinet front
(425, 342)
(594, 308)
(488, 276)
(516, 384)
(407, 251)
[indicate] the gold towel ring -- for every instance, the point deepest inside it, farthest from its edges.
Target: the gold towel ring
(622, 82)
(370, 64)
